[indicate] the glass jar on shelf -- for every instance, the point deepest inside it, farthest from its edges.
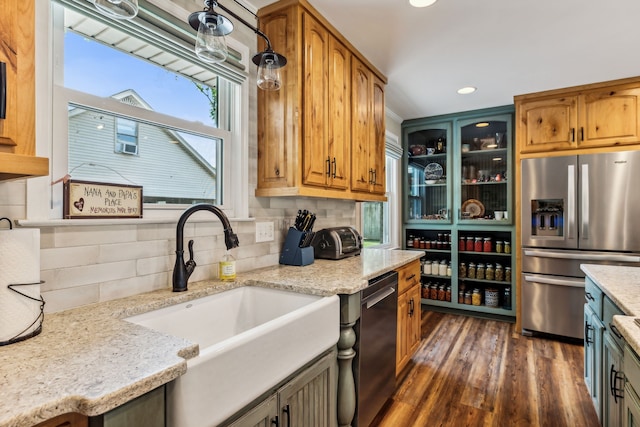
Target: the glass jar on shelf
(507, 274)
(426, 267)
(442, 268)
(480, 271)
(490, 272)
(499, 273)
(471, 271)
(487, 246)
(478, 245)
(499, 246)
(476, 297)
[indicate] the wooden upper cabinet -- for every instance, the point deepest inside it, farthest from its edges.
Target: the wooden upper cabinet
(368, 131)
(17, 128)
(306, 132)
(548, 124)
(609, 117)
(326, 124)
(602, 115)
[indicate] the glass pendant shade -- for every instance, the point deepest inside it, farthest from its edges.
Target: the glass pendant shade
(269, 72)
(119, 9)
(211, 45)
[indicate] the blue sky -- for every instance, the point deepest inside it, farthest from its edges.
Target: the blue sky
(97, 69)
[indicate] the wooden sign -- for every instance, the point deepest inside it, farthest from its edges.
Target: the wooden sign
(84, 199)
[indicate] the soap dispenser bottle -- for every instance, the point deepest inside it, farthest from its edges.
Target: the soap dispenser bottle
(227, 270)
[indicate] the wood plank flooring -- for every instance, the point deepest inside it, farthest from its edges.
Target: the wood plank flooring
(477, 372)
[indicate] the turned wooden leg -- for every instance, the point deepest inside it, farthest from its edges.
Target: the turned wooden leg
(346, 381)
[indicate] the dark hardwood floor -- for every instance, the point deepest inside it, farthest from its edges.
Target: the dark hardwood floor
(477, 372)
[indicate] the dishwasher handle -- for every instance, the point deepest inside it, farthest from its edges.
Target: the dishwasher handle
(576, 283)
(375, 298)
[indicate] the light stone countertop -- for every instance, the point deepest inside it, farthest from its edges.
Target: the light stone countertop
(89, 360)
(622, 285)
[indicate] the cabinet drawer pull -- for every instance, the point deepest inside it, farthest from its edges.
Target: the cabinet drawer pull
(287, 410)
(335, 168)
(411, 277)
(587, 328)
(581, 133)
(589, 297)
(411, 308)
(328, 166)
(573, 134)
(615, 330)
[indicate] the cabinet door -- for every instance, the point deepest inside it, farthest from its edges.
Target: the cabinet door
(485, 163)
(66, 420)
(278, 118)
(339, 123)
(361, 172)
(592, 357)
(316, 161)
(402, 344)
(631, 407)
(377, 154)
(415, 320)
(613, 383)
(310, 399)
(427, 170)
(609, 117)
(261, 415)
(547, 125)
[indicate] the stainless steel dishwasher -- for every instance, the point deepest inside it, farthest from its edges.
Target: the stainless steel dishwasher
(375, 366)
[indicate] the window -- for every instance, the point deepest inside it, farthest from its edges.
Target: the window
(136, 106)
(379, 220)
(126, 136)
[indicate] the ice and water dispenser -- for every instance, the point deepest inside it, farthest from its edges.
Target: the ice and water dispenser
(547, 217)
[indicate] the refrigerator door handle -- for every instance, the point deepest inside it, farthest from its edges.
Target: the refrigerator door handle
(584, 198)
(582, 256)
(576, 283)
(571, 200)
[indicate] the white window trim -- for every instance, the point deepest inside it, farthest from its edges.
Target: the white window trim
(394, 194)
(41, 209)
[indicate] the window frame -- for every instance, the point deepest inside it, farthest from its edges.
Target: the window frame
(393, 152)
(51, 110)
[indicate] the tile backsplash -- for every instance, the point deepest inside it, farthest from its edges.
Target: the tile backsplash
(86, 264)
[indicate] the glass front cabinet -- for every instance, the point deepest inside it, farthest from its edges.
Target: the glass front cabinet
(458, 203)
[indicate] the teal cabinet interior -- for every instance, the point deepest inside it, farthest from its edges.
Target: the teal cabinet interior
(458, 184)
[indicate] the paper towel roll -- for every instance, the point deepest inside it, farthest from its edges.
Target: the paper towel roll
(20, 260)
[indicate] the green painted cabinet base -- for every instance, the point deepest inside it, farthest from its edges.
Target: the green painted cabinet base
(308, 399)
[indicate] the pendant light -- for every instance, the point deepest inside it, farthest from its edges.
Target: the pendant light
(212, 47)
(119, 9)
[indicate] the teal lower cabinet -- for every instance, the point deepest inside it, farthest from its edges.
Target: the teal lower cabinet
(308, 399)
(631, 406)
(147, 410)
(593, 328)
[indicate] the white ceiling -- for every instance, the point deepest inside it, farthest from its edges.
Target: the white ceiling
(503, 47)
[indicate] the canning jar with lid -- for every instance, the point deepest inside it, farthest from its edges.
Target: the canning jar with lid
(478, 245)
(467, 297)
(469, 244)
(462, 244)
(499, 272)
(480, 271)
(476, 297)
(471, 271)
(447, 293)
(487, 245)
(490, 272)
(507, 274)
(442, 268)
(499, 246)
(507, 247)
(433, 291)
(449, 270)
(462, 270)
(426, 267)
(441, 293)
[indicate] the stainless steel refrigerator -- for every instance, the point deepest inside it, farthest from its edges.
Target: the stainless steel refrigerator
(576, 210)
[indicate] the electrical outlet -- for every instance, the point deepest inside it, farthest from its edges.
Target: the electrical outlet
(264, 231)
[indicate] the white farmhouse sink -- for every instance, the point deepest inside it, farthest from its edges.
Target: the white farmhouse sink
(250, 339)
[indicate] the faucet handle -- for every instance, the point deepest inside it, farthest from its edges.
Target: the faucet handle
(191, 264)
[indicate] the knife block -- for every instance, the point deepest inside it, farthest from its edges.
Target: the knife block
(292, 253)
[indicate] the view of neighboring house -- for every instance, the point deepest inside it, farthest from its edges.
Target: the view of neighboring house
(109, 149)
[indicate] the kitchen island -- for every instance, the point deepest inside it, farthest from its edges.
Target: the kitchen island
(90, 361)
(621, 284)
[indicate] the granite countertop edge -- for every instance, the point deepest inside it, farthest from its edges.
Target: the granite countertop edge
(621, 284)
(88, 360)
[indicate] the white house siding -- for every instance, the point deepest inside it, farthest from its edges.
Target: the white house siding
(163, 168)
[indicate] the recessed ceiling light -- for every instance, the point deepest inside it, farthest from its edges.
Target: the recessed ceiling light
(482, 124)
(421, 3)
(466, 90)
